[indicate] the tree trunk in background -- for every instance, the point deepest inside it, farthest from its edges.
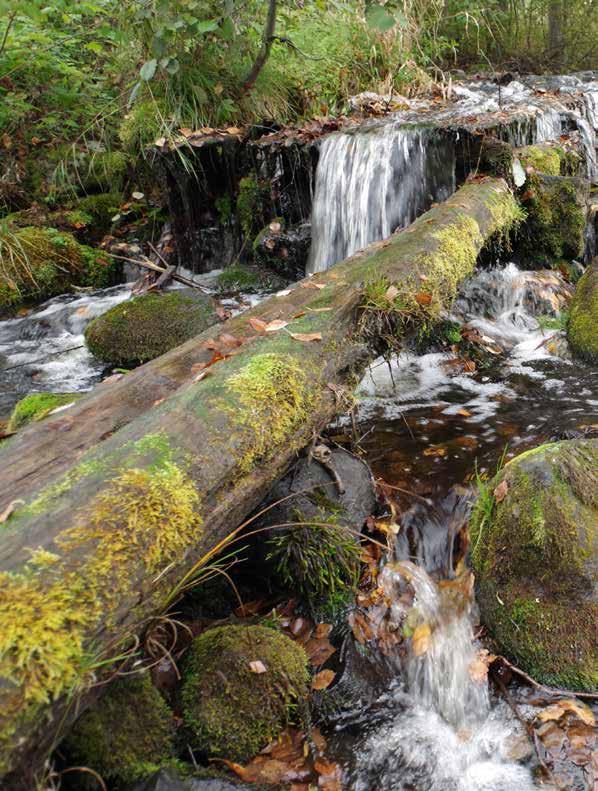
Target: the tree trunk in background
(556, 38)
(117, 499)
(264, 52)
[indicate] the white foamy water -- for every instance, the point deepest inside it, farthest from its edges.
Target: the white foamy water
(446, 735)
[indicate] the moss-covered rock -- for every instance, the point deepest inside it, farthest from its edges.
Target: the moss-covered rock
(37, 263)
(145, 327)
(239, 278)
(127, 736)
(37, 406)
(542, 157)
(99, 208)
(582, 329)
(557, 210)
(230, 710)
(534, 553)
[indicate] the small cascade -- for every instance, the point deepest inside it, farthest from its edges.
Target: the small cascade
(549, 125)
(371, 182)
(446, 735)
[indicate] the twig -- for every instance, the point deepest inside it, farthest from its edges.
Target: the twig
(549, 690)
(404, 491)
(155, 268)
(9, 23)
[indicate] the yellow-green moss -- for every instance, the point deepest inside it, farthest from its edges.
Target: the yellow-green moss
(229, 710)
(582, 328)
(100, 208)
(128, 734)
(49, 610)
(145, 327)
(541, 157)
(250, 204)
(37, 263)
(238, 278)
(532, 553)
(36, 406)
(274, 395)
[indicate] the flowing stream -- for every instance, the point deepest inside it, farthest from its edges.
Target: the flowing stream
(426, 422)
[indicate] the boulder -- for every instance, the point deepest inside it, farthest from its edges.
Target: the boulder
(284, 251)
(240, 684)
(167, 780)
(127, 736)
(534, 539)
(582, 329)
(145, 327)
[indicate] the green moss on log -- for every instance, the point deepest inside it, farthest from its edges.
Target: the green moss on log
(37, 263)
(582, 329)
(37, 406)
(230, 710)
(533, 555)
(127, 736)
(145, 327)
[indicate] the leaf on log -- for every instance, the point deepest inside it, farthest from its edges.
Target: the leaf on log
(306, 337)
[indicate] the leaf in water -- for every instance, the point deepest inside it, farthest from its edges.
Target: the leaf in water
(258, 324)
(306, 336)
(464, 412)
(323, 679)
(276, 325)
(557, 710)
(501, 491)
(421, 639)
(435, 450)
(258, 667)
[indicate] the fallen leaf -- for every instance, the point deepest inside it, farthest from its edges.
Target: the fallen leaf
(435, 450)
(10, 508)
(318, 650)
(276, 325)
(464, 412)
(258, 324)
(556, 710)
(323, 630)
(423, 299)
(323, 679)
(306, 336)
(501, 491)
(421, 639)
(391, 293)
(284, 293)
(234, 130)
(311, 284)
(137, 195)
(257, 667)
(360, 627)
(275, 227)
(319, 310)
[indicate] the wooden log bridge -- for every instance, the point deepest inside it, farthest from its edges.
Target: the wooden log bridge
(112, 501)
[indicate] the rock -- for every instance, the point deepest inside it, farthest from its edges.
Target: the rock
(556, 209)
(41, 262)
(145, 327)
(534, 538)
(127, 736)
(37, 406)
(232, 708)
(319, 560)
(167, 780)
(582, 329)
(284, 251)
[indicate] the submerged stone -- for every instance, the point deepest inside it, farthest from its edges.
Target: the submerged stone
(145, 327)
(534, 538)
(231, 710)
(582, 329)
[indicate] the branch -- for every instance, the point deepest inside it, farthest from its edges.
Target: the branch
(264, 52)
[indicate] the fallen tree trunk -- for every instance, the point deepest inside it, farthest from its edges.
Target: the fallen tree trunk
(128, 489)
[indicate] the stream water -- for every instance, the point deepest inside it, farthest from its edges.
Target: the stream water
(427, 423)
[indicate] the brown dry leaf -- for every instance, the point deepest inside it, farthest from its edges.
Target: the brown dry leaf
(360, 627)
(478, 668)
(306, 337)
(391, 293)
(464, 412)
(311, 284)
(435, 450)
(330, 775)
(276, 325)
(421, 639)
(323, 630)
(318, 310)
(258, 667)
(318, 650)
(323, 679)
(257, 324)
(423, 299)
(501, 491)
(234, 130)
(9, 510)
(552, 712)
(579, 709)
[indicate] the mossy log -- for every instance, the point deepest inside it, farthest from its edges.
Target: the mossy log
(126, 490)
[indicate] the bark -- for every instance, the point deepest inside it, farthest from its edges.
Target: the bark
(264, 52)
(127, 490)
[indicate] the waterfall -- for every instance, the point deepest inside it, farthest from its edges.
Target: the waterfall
(370, 182)
(549, 125)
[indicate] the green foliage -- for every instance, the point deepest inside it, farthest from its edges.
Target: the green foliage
(320, 560)
(145, 327)
(128, 735)
(228, 709)
(36, 406)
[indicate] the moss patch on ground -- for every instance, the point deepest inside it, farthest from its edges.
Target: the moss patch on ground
(582, 328)
(37, 406)
(533, 555)
(38, 263)
(127, 736)
(145, 327)
(228, 709)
